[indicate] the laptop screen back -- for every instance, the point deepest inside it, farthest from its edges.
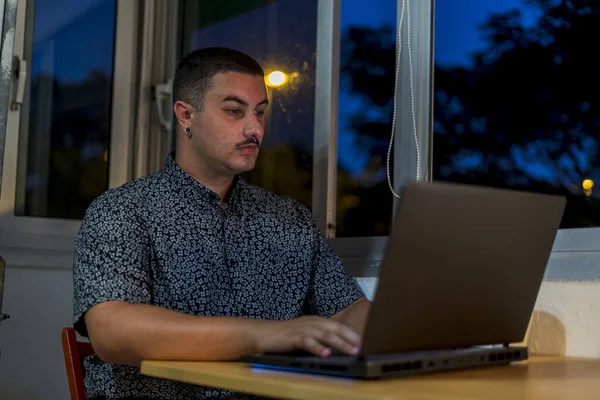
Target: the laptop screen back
(463, 267)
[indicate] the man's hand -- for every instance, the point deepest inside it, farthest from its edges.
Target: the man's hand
(317, 335)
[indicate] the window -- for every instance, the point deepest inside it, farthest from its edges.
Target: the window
(529, 125)
(281, 36)
(367, 79)
(66, 113)
(67, 141)
(516, 99)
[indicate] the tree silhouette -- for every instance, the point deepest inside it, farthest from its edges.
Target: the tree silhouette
(367, 70)
(523, 114)
(364, 202)
(530, 98)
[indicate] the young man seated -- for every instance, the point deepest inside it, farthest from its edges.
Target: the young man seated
(193, 263)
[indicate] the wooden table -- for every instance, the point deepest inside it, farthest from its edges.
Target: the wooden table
(539, 378)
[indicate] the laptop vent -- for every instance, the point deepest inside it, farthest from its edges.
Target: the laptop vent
(407, 366)
(505, 356)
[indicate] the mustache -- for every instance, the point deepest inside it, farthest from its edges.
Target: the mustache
(250, 140)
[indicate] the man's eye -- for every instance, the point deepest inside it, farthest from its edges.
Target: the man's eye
(234, 111)
(259, 113)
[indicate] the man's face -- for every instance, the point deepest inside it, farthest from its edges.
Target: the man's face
(229, 123)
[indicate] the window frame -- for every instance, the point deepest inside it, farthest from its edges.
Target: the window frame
(326, 116)
(41, 241)
(158, 59)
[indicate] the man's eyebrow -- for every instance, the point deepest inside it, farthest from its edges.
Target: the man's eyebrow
(236, 99)
(241, 101)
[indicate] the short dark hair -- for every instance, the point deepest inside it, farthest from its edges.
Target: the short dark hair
(193, 77)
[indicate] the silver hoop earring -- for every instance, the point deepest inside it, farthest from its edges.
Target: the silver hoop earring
(187, 131)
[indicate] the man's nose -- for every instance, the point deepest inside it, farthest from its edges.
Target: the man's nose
(254, 128)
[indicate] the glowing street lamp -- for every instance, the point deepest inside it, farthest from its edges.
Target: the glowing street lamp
(587, 186)
(276, 79)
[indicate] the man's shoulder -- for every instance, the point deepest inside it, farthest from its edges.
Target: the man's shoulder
(127, 198)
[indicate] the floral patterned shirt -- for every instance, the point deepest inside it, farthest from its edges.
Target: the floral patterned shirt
(167, 240)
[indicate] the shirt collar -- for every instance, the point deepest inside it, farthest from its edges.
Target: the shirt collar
(181, 181)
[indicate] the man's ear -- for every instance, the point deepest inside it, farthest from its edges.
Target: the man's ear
(183, 113)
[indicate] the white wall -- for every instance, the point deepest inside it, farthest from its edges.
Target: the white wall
(39, 301)
(569, 319)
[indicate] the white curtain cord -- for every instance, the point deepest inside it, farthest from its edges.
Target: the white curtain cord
(405, 7)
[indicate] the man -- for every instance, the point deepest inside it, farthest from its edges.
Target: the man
(193, 263)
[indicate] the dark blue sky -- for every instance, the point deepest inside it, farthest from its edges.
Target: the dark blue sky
(456, 33)
(73, 37)
(354, 13)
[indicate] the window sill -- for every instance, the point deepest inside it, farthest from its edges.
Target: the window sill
(36, 250)
(562, 266)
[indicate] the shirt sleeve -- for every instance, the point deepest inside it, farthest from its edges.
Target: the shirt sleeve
(111, 260)
(332, 289)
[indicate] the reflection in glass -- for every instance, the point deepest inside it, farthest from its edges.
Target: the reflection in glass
(281, 36)
(65, 121)
(517, 99)
(368, 51)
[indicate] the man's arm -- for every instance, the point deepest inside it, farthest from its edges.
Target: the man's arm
(126, 333)
(355, 315)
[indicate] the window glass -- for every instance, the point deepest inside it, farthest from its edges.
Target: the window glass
(516, 99)
(367, 76)
(66, 115)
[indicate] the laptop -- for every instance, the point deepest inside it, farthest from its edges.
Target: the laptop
(458, 283)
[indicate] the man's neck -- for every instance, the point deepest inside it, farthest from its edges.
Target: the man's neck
(214, 182)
